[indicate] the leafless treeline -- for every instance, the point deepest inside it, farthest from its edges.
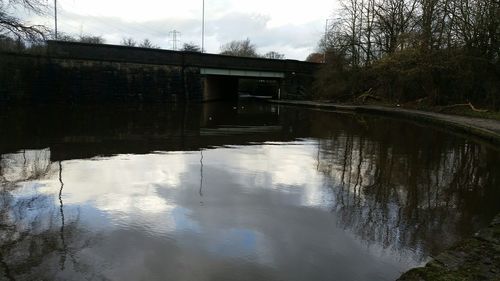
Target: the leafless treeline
(10, 25)
(367, 30)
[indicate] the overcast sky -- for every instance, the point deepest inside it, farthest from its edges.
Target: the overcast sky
(290, 27)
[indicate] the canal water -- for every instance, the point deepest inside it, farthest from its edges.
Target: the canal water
(232, 191)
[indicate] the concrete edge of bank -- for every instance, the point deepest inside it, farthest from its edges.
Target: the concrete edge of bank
(487, 130)
(476, 258)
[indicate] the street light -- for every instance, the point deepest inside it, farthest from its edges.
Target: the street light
(203, 28)
(55, 17)
(326, 38)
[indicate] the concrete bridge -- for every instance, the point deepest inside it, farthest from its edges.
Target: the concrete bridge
(199, 76)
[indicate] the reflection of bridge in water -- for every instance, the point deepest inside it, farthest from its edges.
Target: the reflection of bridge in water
(85, 132)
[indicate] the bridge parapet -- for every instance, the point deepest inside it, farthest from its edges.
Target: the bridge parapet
(104, 52)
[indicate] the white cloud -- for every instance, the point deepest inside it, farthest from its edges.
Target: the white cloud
(290, 27)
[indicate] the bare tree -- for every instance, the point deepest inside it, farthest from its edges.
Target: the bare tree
(315, 57)
(129, 42)
(395, 21)
(274, 55)
(146, 43)
(242, 48)
(87, 38)
(13, 26)
(91, 39)
(66, 37)
(191, 47)
(352, 10)
(437, 47)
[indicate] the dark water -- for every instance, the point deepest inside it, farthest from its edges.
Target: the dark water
(243, 191)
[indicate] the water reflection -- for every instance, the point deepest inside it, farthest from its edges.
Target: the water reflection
(34, 234)
(232, 192)
(421, 191)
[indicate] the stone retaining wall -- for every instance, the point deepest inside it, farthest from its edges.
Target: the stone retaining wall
(40, 79)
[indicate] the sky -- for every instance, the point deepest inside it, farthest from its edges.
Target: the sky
(289, 27)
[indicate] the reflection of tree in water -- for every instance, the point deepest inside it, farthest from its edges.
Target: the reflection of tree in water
(25, 166)
(418, 191)
(33, 231)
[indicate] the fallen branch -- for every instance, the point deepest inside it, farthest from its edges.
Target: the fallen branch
(368, 95)
(463, 104)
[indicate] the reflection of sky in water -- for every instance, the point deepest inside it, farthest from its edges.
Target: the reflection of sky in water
(235, 243)
(260, 207)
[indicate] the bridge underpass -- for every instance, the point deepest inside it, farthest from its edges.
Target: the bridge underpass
(221, 84)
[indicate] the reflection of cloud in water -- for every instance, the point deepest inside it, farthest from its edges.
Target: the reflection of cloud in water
(128, 184)
(287, 167)
(121, 204)
(130, 180)
(125, 187)
(262, 205)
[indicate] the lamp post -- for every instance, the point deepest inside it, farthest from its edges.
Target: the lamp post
(55, 17)
(203, 28)
(326, 38)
